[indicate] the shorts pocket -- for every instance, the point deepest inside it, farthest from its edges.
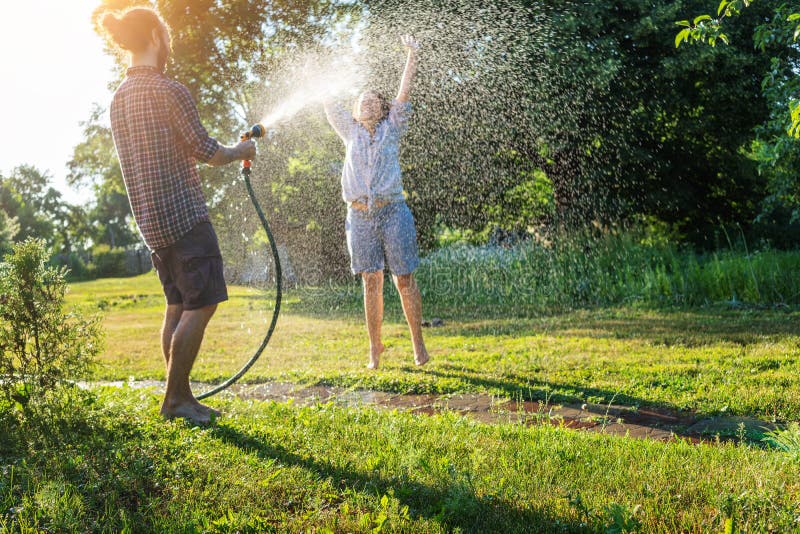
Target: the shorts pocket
(195, 275)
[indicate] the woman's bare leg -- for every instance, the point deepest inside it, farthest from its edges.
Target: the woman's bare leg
(412, 307)
(373, 311)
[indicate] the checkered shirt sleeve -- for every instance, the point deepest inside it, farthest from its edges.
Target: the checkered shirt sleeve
(191, 132)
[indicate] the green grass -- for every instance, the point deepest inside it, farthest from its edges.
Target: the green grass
(712, 360)
(112, 465)
(607, 268)
(115, 466)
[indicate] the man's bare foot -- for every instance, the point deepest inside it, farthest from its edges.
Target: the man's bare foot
(421, 356)
(189, 411)
(208, 409)
(375, 356)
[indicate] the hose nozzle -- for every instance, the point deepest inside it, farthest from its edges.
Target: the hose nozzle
(254, 132)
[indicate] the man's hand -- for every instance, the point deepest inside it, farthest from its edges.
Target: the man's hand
(246, 149)
(229, 154)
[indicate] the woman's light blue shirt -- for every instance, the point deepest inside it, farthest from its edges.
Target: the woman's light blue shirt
(372, 164)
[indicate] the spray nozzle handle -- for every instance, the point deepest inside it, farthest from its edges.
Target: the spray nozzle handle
(254, 132)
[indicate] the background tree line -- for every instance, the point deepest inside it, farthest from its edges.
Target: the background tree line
(592, 115)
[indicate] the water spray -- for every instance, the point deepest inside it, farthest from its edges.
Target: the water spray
(255, 132)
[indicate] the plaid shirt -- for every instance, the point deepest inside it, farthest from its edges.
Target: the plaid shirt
(159, 138)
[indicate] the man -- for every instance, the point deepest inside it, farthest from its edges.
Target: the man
(159, 139)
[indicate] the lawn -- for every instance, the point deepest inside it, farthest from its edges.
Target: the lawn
(113, 465)
(711, 361)
(277, 467)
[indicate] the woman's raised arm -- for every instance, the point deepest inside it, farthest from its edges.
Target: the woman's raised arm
(412, 47)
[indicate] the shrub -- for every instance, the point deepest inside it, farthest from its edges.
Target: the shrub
(41, 346)
(77, 270)
(109, 262)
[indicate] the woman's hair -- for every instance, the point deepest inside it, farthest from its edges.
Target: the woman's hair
(385, 104)
(132, 30)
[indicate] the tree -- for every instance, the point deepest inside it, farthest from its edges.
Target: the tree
(225, 52)
(36, 210)
(593, 95)
(777, 153)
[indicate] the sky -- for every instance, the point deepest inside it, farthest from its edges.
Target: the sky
(53, 68)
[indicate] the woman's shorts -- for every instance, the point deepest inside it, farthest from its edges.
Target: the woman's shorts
(386, 233)
(190, 269)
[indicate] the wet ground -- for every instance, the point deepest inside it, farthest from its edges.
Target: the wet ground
(642, 423)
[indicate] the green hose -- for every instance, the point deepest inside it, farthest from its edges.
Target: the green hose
(278, 293)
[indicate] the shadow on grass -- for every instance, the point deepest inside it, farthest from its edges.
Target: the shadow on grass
(692, 328)
(454, 506)
(517, 387)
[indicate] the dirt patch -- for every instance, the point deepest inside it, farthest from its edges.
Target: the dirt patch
(639, 423)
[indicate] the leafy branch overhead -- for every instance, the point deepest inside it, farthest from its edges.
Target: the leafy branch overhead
(706, 29)
(709, 30)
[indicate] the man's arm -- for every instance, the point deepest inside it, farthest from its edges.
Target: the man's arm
(229, 154)
(194, 136)
(412, 46)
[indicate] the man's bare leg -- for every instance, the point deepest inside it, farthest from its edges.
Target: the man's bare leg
(172, 317)
(186, 340)
(412, 307)
(373, 310)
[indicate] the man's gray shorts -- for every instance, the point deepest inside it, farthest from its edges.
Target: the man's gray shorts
(190, 269)
(383, 233)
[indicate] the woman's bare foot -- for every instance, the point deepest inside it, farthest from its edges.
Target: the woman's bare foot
(421, 356)
(189, 411)
(375, 356)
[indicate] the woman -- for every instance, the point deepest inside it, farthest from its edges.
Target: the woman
(379, 224)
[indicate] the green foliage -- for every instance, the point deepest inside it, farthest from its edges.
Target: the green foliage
(75, 265)
(108, 262)
(34, 209)
(8, 230)
(777, 154)
(705, 29)
(41, 346)
(606, 266)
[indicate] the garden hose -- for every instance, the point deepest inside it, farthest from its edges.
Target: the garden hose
(256, 131)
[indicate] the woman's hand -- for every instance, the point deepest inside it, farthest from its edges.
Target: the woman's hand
(409, 43)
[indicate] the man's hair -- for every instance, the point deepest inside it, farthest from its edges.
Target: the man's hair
(385, 104)
(132, 30)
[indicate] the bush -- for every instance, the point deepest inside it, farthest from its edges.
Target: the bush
(41, 347)
(77, 270)
(109, 262)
